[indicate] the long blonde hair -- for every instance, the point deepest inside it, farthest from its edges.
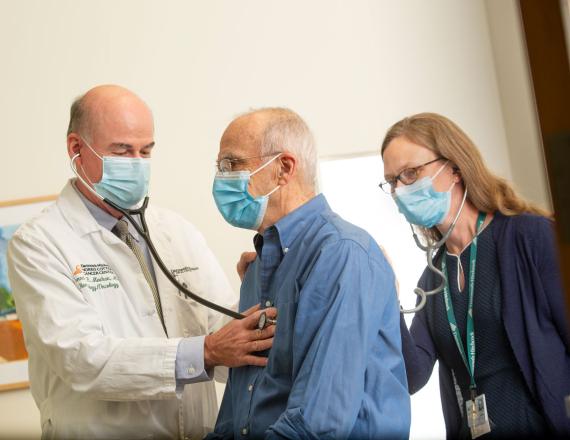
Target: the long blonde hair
(486, 191)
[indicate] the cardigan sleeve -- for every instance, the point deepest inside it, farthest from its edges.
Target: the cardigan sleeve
(417, 347)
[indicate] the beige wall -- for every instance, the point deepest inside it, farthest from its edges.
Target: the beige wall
(517, 101)
(351, 68)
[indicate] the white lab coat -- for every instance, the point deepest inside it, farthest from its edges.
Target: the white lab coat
(100, 364)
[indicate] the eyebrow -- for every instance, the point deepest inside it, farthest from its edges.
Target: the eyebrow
(129, 146)
(405, 167)
(231, 156)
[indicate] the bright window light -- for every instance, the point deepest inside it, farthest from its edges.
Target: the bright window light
(351, 188)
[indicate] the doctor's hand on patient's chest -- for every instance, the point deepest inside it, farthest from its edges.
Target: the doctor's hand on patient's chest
(235, 343)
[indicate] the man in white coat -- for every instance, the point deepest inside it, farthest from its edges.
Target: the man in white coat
(115, 350)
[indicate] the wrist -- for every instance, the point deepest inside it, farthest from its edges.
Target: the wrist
(209, 361)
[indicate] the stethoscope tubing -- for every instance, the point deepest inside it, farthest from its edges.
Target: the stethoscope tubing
(144, 232)
(430, 251)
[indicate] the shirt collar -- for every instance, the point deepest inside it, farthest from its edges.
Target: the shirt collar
(293, 224)
(103, 218)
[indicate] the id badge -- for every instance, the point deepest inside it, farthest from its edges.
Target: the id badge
(477, 416)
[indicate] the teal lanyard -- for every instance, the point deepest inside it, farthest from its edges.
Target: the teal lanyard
(468, 360)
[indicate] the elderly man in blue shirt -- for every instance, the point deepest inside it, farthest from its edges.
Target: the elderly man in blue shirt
(336, 369)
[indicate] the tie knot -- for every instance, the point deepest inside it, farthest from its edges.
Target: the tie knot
(121, 229)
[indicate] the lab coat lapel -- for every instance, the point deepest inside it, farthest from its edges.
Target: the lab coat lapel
(163, 242)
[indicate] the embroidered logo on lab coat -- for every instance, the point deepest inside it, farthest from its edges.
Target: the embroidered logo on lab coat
(182, 270)
(95, 277)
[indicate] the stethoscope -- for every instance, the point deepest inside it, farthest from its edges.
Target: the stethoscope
(430, 251)
(144, 232)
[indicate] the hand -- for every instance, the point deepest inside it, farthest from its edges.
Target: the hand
(243, 263)
(235, 342)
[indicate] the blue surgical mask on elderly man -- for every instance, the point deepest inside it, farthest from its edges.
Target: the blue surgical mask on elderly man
(125, 180)
(421, 204)
(238, 207)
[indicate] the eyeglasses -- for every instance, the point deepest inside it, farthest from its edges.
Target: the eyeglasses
(407, 177)
(225, 165)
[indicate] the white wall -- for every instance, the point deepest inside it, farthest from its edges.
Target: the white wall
(351, 68)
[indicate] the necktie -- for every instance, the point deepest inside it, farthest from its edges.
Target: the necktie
(121, 230)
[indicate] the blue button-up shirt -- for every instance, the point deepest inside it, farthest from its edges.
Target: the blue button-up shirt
(336, 368)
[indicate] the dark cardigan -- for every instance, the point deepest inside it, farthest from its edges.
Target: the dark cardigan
(533, 315)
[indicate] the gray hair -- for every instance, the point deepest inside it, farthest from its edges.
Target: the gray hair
(287, 131)
(78, 117)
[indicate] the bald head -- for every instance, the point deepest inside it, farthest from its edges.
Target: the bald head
(107, 107)
(107, 121)
(273, 130)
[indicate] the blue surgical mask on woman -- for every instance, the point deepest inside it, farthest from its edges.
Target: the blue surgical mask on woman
(238, 207)
(125, 180)
(421, 204)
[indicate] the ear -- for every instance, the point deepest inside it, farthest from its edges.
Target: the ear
(73, 144)
(288, 168)
(457, 173)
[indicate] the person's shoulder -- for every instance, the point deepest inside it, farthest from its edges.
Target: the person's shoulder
(38, 225)
(526, 225)
(170, 220)
(350, 237)
(166, 215)
(527, 220)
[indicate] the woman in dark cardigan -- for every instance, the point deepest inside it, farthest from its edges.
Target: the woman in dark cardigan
(518, 352)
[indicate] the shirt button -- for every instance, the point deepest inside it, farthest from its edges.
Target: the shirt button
(285, 250)
(191, 370)
(250, 388)
(244, 431)
(268, 303)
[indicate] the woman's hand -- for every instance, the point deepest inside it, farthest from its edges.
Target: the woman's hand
(243, 263)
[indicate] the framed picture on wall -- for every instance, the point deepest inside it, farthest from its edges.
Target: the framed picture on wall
(13, 355)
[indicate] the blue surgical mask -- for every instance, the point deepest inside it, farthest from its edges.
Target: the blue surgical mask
(238, 207)
(421, 204)
(125, 179)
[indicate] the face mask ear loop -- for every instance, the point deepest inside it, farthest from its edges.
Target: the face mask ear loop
(74, 169)
(440, 170)
(272, 191)
(90, 147)
(265, 164)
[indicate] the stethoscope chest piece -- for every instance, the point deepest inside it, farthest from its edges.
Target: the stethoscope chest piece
(264, 321)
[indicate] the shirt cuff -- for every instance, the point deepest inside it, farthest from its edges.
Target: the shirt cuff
(189, 365)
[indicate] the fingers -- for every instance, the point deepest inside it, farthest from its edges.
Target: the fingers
(257, 361)
(267, 332)
(243, 263)
(252, 319)
(251, 310)
(264, 344)
(247, 257)
(271, 312)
